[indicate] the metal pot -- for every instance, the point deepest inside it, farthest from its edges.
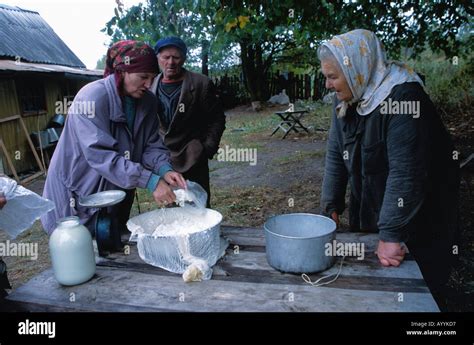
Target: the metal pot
(173, 252)
(58, 120)
(53, 135)
(40, 139)
(296, 242)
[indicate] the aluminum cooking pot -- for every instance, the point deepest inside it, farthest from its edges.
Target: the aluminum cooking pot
(58, 120)
(296, 242)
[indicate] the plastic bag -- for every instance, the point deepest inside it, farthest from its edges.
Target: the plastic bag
(23, 207)
(192, 254)
(194, 195)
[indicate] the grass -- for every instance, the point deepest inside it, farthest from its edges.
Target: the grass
(22, 269)
(241, 127)
(252, 206)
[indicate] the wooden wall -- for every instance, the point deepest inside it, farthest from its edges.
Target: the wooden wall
(12, 133)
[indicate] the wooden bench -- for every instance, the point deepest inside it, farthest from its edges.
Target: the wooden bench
(242, 282)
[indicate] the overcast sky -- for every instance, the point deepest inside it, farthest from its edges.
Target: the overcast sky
(77, 22)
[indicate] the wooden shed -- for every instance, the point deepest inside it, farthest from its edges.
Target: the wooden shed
(39, 74)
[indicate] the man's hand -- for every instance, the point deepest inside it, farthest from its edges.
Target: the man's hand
(390, 253)
(163, 194)
(175, 179)
(335, 217)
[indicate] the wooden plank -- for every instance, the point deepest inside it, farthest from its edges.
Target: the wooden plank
(256, 260)
(27, 180)
(30, 143)
(32, 147)
(351, 266)
(117, 290)
(253, 267)
(10, 118)
(246, 236)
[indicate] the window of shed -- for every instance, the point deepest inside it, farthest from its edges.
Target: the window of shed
(31, 96)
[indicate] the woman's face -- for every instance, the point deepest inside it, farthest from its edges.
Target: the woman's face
(135, 84)
(335, 80)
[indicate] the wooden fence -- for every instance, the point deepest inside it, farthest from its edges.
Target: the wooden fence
(232, 91)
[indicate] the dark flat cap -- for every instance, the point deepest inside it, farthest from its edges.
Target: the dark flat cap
(173, 42)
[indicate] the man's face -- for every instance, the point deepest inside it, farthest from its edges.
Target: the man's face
(171, 62)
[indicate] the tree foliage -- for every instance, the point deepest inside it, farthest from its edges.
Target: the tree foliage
(263, 33)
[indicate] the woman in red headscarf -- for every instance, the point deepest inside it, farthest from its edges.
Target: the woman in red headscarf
(111, 141)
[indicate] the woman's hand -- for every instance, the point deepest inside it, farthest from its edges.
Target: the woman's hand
(3, 200)
(175, 179)
(163, 194)
(390, 253)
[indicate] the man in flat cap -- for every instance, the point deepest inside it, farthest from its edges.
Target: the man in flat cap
(191, 116)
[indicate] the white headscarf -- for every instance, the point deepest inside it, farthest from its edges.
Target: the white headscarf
(370, 76)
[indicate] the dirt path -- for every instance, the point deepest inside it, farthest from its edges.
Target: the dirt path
(279, 164)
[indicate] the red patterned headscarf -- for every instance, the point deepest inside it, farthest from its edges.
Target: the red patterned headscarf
(129, 56)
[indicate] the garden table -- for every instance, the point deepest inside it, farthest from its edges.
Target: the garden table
(242, 281)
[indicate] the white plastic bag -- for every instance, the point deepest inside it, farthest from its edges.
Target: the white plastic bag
(23, 207)
(194, 195)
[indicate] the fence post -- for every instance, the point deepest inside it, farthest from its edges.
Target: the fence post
(301, 84)
(307, 87)
(316, 87)
(291, 87)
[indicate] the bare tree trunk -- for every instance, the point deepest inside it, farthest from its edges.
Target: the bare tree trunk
(253, 69)
(205, 57)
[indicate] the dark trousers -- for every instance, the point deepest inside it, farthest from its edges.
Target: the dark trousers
(4, 283)
(199, 173)
(119, 214)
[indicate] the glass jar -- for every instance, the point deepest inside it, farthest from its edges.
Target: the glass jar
(72, 252)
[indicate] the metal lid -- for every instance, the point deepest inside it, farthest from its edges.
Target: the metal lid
(103, 199)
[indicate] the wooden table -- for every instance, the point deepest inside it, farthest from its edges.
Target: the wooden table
(242, 281)
(290, 121)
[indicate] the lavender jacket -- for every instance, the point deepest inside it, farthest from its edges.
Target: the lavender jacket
(97, 152)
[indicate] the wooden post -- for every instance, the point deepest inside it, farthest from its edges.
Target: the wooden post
(307, 87)
(9, 161)
(315, 87)
(301, 86)
(30, 143)
(291, 87)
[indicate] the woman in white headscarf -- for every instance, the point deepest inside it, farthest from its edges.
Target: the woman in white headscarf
(388, 141)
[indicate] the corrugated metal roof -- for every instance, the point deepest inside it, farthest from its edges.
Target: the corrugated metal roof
(9, 65)
(25, 34)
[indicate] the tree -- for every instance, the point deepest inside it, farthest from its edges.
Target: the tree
(287, 30)
(101, 63)
(190, 20)
(266, 32)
